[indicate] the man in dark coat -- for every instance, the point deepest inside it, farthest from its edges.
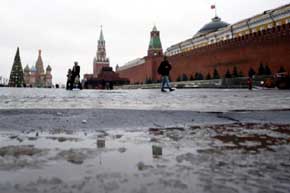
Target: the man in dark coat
(69, 82)
(76, 76)
(164, 70)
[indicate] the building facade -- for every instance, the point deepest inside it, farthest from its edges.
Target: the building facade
(36, 76)
(261, 39)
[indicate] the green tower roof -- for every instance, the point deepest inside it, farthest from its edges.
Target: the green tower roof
(155, 42)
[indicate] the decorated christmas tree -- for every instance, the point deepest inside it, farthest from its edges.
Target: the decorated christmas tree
(16, 76)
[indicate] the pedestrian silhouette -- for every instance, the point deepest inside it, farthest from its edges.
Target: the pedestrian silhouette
(164, 70)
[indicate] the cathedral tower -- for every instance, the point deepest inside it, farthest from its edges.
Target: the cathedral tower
(39, 63)
(48, 77)
(155, 47)
(101, 60)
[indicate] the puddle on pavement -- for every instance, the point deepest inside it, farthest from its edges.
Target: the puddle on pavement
(184, 159)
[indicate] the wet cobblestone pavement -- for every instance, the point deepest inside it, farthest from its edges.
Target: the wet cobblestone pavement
(204, 100)
(141, 141)
(215, 158)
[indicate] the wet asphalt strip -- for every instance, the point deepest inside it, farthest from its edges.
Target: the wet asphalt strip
(106, 119)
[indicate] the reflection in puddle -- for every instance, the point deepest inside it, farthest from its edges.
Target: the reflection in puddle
(101, 143)
(156, 151)
(62, 139)
(199, 158)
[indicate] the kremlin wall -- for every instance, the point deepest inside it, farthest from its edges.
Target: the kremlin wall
(262, 39)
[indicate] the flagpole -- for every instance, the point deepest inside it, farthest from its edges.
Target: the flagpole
(214, 7)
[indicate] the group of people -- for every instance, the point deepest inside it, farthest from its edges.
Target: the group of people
(73, 78)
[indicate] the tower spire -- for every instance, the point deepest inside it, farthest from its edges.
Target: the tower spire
(101, 35)
(39, 63)
(155, 47)
(101, 59)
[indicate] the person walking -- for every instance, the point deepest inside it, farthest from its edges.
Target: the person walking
(69, 82)
(250, 83)
(164, 70)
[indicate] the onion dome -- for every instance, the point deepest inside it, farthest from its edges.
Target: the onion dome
(27, 69)
(33, 69)
(212, 26)
(48, 68)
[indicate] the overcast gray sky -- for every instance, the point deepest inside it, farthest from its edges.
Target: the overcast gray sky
(68, 30)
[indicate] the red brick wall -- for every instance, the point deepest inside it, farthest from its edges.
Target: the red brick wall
(140, 73)
(271, 47)
(135, 74)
